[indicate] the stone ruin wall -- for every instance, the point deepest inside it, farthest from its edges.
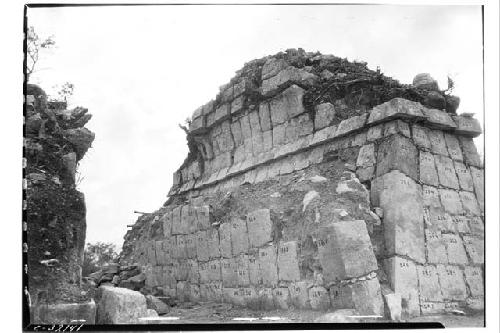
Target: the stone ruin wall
(283, 205)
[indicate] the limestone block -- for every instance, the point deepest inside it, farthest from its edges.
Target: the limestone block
(469, 203)
(446, 172)
(436, 247)
(451, 201)
(268, 265)
(452, 283)
(181, 251)
(259, 227)
(215, 291)
(325, 113)
(319, 298)
(204, 272)
(160, 255)
(430, 195)
(279, 135)
(366, 156)
(281, 298)
(467, 126)
(246, 130)
(194, 293)
(345, 250)
(203, 217)
(193, 273)
(254, 269)
(214, 270)
(351, 124)
(478, 181)
(475, 248)
(166, 219)
(237, 105)
(432, 308)
(213, 243)
(288, 264)
(184, 219)
(287, 75)
(236, 131)
(229, 272)
(474, 280)
(428, 173)
(453, 147)
(365, 296)
(183, 291)
(403, 278)
(395, 108)
(265, 299)
(176, 220)
(272, 67)
(168, 250)
(398, 153)
(120, 306)
(396, 126)
(455, 249)
(464, 177)
(225, 240)
(375, 132)
(299, 296)
(242, 270)
(151, 253)
(461, 224)
(183, 270)
(257, 144)
(476, 304)
(222, 112)
(471, 157)
(421, 137)
(265, 117)
(190, 246)
(438, 144)
(238, 236)
(437, 219)
(253, 117)
(476, 226)
(439, 119)
(267, 140)
(286, 105)
(401, 199)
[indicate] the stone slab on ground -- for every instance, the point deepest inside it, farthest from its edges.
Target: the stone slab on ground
(66, 313)
(120, 306)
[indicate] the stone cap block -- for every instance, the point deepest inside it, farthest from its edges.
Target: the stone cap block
(467, 126)
(396, 108)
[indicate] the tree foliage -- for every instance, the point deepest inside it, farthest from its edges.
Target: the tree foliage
(35, 45)
(96, 255)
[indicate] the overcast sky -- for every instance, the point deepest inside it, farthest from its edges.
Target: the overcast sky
(142, 70)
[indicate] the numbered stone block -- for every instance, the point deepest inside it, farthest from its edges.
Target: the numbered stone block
(438, 219)
(461, 224)
(319, 299)
(232, 296)
(281, 298)
(364, 296)
(467, 126)
(176, 220)
(265, 299)
(475, 248)
(401, 199)
(160, 255)
(268, 265)
(190, 246)
(169, 276)
(347, 251)
(204, 292)
(202, 252)
(259, 227)
(464, 177)
(438, 143)
(439, 119)
(181, 247)
(350, 125)
(476, 226)
(192, 220)
(478, 181)
(213, 243)
(469, 203)
(185, 216)
(215, 291)
(225, 240)
(151, 253)
(446, 172)
(428, 282)
(229, 271)
(420, 137)
(432, 308)
(428, 173)
(214, 270)
(471, 157)
(455, 249)
(403, 278)
(452, 283)
(476, 304)
(430, 196)
(397, 153)
(193, 273)
(166, 219)
(254, 269)
(288, 263)
(436, 247)
(453, 145)
(451, 201)
(183, 270)
(286, 105)
(239, 236)
(299, 295)
(474, 280)
(204, 272)
(242, 270)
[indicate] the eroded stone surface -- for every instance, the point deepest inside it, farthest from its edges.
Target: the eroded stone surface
(398, 153)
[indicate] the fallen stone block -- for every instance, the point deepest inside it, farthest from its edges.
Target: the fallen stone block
(475, 248)
(467, 126)
(452, 283)
(268, 265)
(404, 221)
(403, 278)
(66, 313)
(259, 227)
(120, 306)
(398, 153)
(474, 280)
(428, 173)
(319, 298)
(156, 304)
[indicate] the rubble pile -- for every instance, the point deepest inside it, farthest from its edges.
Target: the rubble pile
(316, 183)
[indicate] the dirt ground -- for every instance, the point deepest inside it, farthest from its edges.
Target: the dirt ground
(217, 313)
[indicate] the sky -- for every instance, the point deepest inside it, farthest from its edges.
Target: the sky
(141, 71)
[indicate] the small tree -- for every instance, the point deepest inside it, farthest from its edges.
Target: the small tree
(34, 46)
(96, 255)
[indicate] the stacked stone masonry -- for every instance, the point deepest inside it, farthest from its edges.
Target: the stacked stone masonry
(418, 166)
